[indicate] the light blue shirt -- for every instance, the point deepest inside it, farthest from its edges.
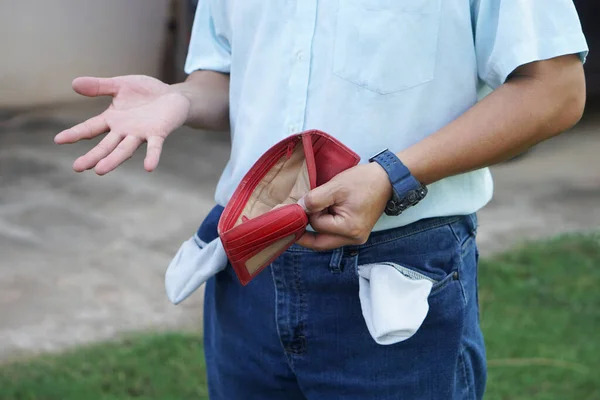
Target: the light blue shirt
(375, 74)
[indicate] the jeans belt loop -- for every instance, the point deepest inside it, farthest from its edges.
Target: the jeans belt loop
(336, 261)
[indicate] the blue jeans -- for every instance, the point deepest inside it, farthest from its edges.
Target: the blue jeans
(297, 331)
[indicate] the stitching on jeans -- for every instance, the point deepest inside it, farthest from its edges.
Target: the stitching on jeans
(278, 304)
(394, 235)
(454, 233)
(427, 227)
(461, 269)
(469, 241)
(460, 252)
(461, 356)
(437, 288)
(409, 273)
(477, 284)
(302, 309)
(462, 289)
(297, 335)
(472, 231)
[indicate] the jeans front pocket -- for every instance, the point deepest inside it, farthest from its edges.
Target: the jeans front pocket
(437, 285)
(386, 45)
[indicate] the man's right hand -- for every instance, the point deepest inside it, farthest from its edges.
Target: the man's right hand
(143, 109)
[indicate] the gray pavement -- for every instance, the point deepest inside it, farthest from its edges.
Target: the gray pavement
(82, 257)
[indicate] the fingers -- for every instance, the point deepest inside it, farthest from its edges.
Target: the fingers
(328, 223)
(93, 87)
(334, 230)
(113, 150)
(86, 130)
(153, 151)
(319, 198)
(95, 126)
(120, 154)
(102, 149)
(316, 200)
(323, 241)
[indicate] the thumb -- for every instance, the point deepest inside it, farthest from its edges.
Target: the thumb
(318, 199)
(92, 87)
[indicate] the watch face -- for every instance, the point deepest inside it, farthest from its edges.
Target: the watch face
(392, 205)
(412, 197)
(396, 207)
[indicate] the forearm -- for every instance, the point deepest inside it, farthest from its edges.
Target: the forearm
(208, 96)
(537, 103)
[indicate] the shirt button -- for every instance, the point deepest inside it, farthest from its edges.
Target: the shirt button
(299, 55)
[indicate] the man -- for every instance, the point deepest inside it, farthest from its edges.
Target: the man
(402, 75)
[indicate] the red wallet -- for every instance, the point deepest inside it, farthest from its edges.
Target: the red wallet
(262, 218)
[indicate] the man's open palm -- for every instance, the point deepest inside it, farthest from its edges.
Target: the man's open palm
(143, 109)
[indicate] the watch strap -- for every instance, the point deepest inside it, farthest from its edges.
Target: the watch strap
(406, 190)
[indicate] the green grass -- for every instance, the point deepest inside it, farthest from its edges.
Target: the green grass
(165, 366)
(540, 310)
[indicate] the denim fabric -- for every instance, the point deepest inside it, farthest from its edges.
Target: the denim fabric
(297, 331)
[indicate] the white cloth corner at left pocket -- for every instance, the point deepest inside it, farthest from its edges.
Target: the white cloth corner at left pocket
(195, 262)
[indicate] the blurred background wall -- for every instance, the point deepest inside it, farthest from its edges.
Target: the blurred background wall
(52, 42)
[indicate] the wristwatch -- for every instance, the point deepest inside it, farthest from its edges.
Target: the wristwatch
(407, 191)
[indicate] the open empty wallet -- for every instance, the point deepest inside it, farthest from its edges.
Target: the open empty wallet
(263, 219)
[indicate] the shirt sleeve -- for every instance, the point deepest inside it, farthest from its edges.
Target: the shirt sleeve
(209, 44)
(511, 33)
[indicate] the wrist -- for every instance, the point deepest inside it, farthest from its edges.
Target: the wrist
(415, 164)
(185, 98)
(207, 99)
(384, 185)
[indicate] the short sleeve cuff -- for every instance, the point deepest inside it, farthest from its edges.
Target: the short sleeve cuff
(217, 64)
(502, 65)
(209, 46)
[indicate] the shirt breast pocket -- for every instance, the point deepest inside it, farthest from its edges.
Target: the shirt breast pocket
(386, 46)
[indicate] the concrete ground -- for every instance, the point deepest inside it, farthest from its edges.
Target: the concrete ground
(82, 257)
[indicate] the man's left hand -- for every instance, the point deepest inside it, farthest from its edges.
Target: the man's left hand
(344, 210)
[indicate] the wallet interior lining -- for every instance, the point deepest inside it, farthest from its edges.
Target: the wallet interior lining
(254, 263)
(283, 184)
